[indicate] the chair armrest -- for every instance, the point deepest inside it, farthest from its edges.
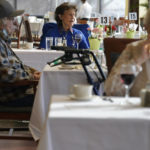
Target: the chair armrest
(20, 83)
(32, 83)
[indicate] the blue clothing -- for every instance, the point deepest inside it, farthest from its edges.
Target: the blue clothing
(54, 31)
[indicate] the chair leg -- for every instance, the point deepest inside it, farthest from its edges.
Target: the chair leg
(11, 132)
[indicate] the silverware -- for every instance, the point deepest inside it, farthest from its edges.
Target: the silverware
(107, 99)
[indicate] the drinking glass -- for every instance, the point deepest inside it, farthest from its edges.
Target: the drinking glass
(58, 41)
(49, 42)
(128, 73)
(78, 38)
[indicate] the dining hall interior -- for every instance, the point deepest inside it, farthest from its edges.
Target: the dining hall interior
(74, 74)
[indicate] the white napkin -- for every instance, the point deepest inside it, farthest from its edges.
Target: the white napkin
(133, 26)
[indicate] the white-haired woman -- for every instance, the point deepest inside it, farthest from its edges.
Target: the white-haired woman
(137, 53)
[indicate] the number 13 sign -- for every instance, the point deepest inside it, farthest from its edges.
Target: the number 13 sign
(104, 20)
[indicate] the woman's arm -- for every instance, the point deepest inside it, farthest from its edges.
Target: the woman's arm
(136, 53)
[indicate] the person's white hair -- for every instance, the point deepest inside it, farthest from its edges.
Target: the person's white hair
(147, 18)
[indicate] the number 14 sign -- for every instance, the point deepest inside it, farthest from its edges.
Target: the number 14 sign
(132, 16)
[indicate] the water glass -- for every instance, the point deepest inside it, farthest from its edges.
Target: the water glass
(49, 43)
(58, 41)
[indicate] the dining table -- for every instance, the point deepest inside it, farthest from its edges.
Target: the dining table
(55, 80)
(37, 58)
(99, 123)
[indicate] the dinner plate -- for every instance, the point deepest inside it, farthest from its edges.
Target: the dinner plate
(81, 98)
(66, 66)
(63, 68)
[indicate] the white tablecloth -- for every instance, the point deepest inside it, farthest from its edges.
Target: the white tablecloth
(96, 125)
(52, 81)
(37, 58)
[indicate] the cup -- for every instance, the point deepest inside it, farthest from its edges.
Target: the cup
(29, 45)
(83, 91)
(49, 43)
(58, 41)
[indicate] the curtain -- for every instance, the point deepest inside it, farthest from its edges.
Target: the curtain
(40, 7)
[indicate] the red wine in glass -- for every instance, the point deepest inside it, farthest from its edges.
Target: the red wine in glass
(127, 78)
(127, 74)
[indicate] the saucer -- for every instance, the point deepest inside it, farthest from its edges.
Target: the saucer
(81, 98)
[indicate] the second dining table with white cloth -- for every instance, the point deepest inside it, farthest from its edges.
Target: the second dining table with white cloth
(54, 80)
(95, 124)
(37, 58)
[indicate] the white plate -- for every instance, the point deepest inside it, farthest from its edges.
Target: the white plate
(66, 66)
(81, 98)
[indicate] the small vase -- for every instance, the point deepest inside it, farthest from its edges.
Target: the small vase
(130, 34)
(94, 44)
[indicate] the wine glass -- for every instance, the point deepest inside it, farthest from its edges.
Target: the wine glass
(78, 38)
(128, 73)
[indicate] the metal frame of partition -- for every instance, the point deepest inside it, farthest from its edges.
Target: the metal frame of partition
(84, 57)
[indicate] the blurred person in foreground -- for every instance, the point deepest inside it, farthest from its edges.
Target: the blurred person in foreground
(11, 67)
(137, 53)
(65, 16)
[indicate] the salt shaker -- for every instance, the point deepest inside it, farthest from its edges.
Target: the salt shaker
(145, 96)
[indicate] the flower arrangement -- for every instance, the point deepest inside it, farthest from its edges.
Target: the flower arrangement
(130, 30)
(130, 33)
(110, 29)
(95, 37)
(95, 33)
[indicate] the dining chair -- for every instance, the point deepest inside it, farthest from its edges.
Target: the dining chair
(25, 33)
(113, 47)
(17, 113)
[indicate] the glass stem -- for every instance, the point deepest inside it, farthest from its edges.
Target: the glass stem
(126, 92)
(77, 45)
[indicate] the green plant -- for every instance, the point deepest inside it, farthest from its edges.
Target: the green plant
(145, 5)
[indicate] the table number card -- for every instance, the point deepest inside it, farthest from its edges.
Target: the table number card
(112, 18)
(132, 16)
(104, 20)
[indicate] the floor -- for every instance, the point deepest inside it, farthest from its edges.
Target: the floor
(15, 135)
(7, 144)
(14, 128)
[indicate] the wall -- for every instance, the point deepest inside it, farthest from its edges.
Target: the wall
(113, 7)
(40, 7)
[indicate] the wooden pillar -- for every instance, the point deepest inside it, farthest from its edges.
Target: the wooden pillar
(127, 8)
(134, 7)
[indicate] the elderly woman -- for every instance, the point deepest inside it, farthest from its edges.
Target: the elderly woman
(65, 18)
(137, 53)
